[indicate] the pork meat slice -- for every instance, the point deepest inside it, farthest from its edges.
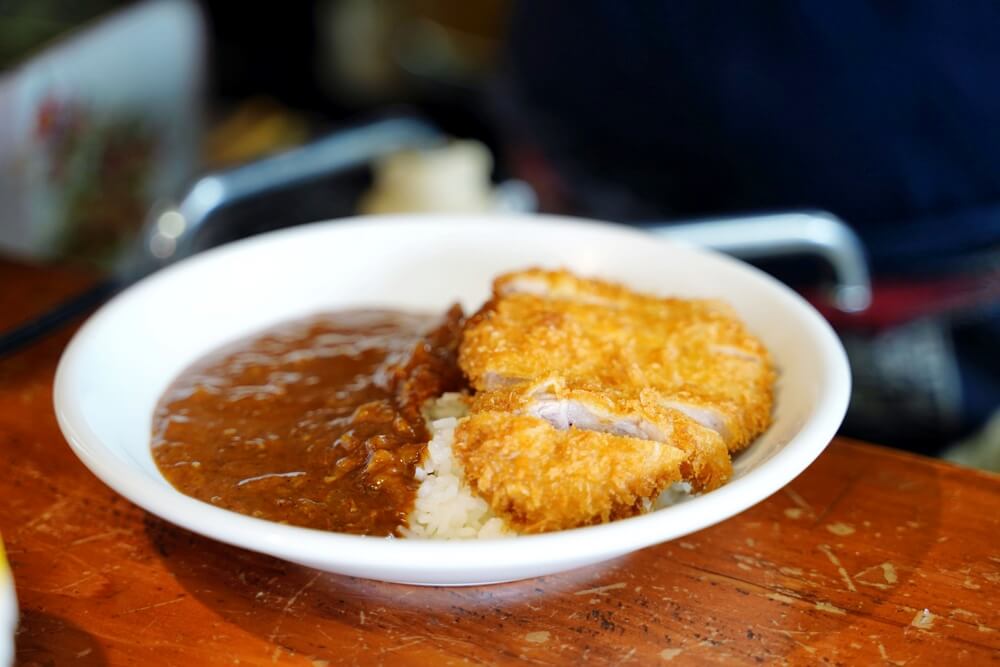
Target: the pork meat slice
(695, 355)
(540, 478)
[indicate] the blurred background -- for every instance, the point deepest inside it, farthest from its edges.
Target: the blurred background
(651, 114)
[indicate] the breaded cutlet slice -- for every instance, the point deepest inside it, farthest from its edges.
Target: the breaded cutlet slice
(692, 355)
(564, 406)
(539, 478)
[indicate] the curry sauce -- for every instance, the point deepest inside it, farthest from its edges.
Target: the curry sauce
(314, 423)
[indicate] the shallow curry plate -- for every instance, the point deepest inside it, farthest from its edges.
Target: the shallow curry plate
(117, 366)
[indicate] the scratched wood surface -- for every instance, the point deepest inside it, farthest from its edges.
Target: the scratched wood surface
(870, 557)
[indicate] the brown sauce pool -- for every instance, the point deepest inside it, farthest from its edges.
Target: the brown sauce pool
(314, 423)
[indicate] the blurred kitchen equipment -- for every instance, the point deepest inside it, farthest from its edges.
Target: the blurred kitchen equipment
(96, 128)
(795, 233)
(375, 51)
(175, 231)
(453, 178)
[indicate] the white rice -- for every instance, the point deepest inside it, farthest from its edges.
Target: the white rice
(447, 508)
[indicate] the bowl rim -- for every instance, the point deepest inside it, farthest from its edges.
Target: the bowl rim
(341, 549)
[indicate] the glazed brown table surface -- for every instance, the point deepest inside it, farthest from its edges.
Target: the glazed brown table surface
(871, 556)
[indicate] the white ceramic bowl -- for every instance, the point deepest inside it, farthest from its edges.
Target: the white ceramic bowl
(116, 367)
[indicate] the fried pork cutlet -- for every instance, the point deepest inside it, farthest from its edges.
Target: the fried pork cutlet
(593, 364)
(585, 477)
(694, 355)
(706, 464)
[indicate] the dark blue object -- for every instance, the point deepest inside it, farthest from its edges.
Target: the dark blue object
(884, 113)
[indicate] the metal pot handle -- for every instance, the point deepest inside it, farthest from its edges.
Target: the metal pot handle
(782, 234)
(171, 231)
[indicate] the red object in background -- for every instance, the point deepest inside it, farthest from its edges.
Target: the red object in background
(896, 302)
(45, 119)
(530, 165)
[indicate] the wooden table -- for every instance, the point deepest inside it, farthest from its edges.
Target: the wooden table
(872, 556)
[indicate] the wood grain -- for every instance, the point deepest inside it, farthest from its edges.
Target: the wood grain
(837, 568)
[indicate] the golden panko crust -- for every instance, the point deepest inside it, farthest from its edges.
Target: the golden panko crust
(590, 397)
(508, 459)
(592, 333)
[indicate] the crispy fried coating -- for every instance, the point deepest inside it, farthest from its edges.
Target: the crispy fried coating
(591, 398)
(706, 466)
(540, 478)
(693, 356)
